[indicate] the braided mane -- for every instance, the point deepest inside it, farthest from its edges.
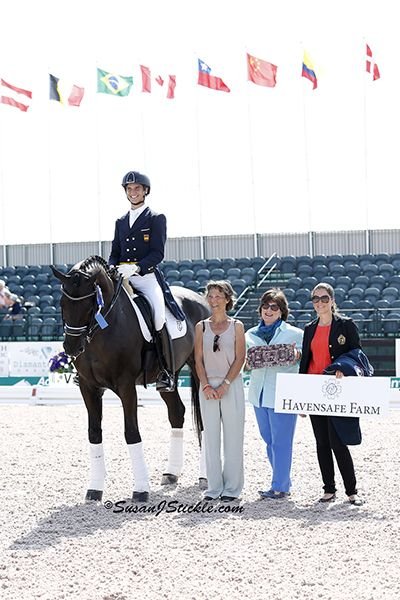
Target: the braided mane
(92, 263)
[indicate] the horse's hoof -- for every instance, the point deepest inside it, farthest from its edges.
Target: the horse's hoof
(169, 479)
(93, 496)
(203, 484)
(140, 496)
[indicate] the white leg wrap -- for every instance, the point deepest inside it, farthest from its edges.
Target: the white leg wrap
(139, 468)
(203, 471)
(175, 459)
(97, 467)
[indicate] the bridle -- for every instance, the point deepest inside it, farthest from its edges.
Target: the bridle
(98, 321)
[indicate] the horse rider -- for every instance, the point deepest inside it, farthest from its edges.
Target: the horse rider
(137, 250)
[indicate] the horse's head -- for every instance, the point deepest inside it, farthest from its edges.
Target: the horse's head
(82, 295)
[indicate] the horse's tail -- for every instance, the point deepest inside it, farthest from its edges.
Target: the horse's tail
(196, 413)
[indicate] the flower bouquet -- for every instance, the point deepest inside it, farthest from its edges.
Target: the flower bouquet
(61, 363)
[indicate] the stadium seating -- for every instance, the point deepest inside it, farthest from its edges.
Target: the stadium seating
(310, 282)
(249, 274)
(391, 324)
(320, 271)
(294, 283)
(241, 263)
(372, 294)
(186, 275)
(214, 263)
(366, 285)
(229, 262)
(344, 281)
(303, 296)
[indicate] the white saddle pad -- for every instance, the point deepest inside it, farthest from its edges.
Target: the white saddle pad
(176, 328)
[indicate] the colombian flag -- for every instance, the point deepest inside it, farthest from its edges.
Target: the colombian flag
(308, 70)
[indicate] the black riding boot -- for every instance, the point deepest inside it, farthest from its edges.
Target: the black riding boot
(165, 354)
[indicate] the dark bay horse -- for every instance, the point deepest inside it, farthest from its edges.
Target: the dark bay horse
(103, 335)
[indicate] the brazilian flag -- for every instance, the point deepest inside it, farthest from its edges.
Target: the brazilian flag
(110, 83)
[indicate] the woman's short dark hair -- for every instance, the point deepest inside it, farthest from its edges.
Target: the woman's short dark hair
(224, 287)
(275, 295)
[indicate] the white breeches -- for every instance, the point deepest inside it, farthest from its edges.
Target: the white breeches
(150, 288)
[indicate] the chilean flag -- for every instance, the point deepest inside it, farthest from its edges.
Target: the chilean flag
(208, 80)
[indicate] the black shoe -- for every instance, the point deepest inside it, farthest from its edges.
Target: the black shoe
(228, 498)
(330, 498)
(356, 501)
(208, 498)
(165, 382)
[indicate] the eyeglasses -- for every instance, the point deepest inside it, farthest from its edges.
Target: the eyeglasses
(323, 299)
(273, 307)
(215, 343)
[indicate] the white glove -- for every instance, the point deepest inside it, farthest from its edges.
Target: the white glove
(128, 270)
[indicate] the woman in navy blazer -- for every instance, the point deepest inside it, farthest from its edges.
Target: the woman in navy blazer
(325, 339)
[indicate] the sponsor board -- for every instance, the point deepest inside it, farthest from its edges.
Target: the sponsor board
(326, 395)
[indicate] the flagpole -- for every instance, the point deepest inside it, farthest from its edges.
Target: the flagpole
(253, 194)
(96, 128)
(143, 128)
(49, 169)
(197, 127)
(307, 171)
(367, 242)
(2, 199)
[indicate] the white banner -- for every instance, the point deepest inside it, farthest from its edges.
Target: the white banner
(397, 356)
(31, 358)
(326, 395)
(3, 360)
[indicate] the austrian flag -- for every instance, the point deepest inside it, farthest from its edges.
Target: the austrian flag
(15, 96)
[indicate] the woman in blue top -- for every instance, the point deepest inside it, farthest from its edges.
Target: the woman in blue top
(276, 429)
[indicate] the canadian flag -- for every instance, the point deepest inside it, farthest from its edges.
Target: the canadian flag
(14, 96)
(146, 82)
(371, 65)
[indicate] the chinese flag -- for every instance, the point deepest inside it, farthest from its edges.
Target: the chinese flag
(261, 72)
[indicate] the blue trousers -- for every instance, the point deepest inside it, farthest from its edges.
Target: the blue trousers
(277, 431)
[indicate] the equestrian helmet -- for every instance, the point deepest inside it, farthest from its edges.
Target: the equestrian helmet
(136, 177)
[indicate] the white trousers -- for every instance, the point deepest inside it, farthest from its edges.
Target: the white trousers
(150, 288)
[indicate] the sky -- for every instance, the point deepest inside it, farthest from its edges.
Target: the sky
(283, 159)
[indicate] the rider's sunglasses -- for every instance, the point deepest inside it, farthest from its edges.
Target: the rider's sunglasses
(323, 299)
(273, 307)
(215, 343)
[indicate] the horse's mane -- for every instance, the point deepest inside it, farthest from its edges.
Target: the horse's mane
(93, 263)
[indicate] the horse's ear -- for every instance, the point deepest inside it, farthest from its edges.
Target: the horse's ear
(59, 274)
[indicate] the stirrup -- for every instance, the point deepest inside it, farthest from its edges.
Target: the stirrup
(165, 382)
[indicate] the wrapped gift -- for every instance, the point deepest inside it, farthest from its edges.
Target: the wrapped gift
(274, 355)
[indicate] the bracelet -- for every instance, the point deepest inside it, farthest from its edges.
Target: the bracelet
(227, 381)
(206, 386)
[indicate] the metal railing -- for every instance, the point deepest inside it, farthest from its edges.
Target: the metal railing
(258, 281)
